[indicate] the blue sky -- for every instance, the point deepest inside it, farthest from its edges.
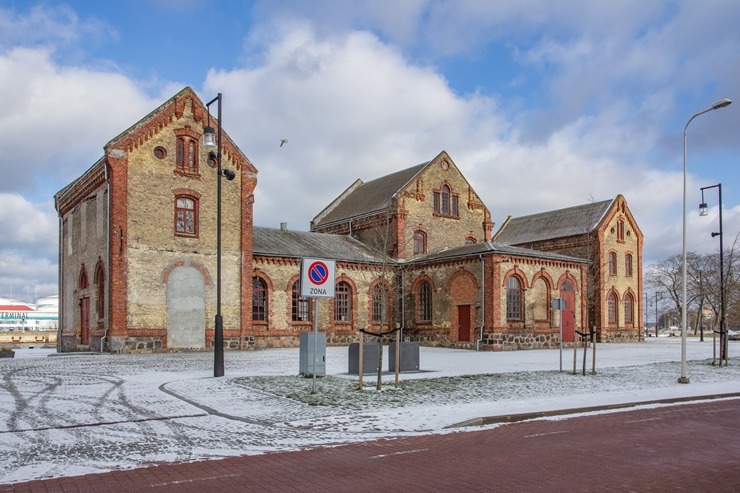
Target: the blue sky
(541, 104)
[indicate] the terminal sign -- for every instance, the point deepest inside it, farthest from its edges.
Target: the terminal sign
(317, 278)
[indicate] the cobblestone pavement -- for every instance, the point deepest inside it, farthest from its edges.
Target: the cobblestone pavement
(686, 448)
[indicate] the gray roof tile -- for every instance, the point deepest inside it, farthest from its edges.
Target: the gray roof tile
(298, 244)
(561, 223)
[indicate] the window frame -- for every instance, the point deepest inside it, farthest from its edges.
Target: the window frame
(612, 312)
(194, 212)
(628, 305)
(628, 264)
(342, 302)
(514, 300)
(420, 242)
(425, 302)
(260, 300)
(300, 306)
(612, 263)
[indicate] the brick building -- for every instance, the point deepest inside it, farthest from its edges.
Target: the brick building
(413, 249)
(605, 233)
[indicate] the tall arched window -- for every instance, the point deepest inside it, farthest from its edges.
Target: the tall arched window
(628, 264)
(425, 302)
(186, 155)
(445, 199)
(513, 300)
(446, 202)
(300, 307)
(380, 304)
(611, 301)
(83, 283)
(628, 309)
(99, 280)
(259, 299)
(420, 242)
(613, 263)
(342, 302)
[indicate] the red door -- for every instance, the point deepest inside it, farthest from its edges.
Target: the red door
(569, 313)
(85, 321)
(463, 323)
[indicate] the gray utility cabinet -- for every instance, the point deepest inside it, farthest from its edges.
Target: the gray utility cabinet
(409, 358)
(369, 358)
(312, 357)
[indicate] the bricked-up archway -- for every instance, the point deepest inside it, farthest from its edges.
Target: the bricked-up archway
(186, 312)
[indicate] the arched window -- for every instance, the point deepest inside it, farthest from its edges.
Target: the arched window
(380, 304)
(628, 309)
(186, 156)
(83, 282)
(99, 280)
(513, 300)
(446, 203)
(613, 263)
(259, 299)
(620, 230)
(186, 216)
(420, 242)
(611, 302)
(425, 302)
(628, 264)
(300, 307)
(342, 302)
(445, 199)
(470, 240)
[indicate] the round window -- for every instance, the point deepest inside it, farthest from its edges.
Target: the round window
(160, 152)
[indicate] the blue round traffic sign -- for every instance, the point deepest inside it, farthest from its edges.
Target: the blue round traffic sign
(318, 272)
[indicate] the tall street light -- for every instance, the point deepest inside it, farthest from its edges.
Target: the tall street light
(722, 334)
(210, 139)
(722, 103)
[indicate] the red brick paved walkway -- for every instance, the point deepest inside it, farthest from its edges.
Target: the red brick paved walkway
(686, 448)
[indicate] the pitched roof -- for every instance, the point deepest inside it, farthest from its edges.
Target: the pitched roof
(368, 198)
(297, 244)
(488, 247)
(560, 223)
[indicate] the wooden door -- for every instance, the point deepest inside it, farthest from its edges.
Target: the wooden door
(463, 323)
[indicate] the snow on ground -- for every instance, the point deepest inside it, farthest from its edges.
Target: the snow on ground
(64, 415)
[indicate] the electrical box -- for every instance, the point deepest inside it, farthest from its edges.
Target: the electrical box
(312, 355)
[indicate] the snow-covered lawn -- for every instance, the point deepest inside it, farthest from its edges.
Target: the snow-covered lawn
(72, 414)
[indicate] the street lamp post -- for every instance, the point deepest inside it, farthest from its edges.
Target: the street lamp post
(722, 333)
(722, 103)
(210, 140)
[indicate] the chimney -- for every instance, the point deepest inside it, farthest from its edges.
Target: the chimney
(283, 226)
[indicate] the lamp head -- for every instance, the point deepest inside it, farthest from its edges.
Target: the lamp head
(209, 137)
(229, 174)
(721, 103)
(703, 209)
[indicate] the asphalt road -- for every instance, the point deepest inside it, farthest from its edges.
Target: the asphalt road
(678, 448)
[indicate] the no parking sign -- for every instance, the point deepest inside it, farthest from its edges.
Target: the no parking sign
(317, 278)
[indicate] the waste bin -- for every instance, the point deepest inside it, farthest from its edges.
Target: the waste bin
(369, 358)
(409, 357)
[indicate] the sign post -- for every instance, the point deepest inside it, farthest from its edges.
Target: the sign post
(317, 281)
(560, 304)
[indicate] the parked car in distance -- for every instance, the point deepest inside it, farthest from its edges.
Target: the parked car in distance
(733, 334)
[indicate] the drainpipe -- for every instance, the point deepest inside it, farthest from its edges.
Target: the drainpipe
(482, 301)
(107, 262)
(60, 306)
